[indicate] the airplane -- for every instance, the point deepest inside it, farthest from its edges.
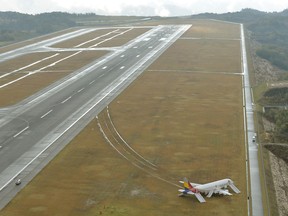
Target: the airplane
(209, 189)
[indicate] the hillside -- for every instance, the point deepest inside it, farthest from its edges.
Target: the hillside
(16, 27)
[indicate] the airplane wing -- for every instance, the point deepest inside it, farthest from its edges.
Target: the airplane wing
(234, 188)
(197, 195)
(200, 197)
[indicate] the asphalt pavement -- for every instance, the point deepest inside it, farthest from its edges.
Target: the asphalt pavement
(35, 130)
(255, 183)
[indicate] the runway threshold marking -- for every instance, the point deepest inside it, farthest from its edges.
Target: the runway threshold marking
(43, 116)
(20, 132)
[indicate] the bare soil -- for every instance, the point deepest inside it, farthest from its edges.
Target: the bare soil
(280, 178)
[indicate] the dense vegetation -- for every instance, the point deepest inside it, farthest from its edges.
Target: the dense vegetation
(16, 26)
(276, 100)
(275, 96)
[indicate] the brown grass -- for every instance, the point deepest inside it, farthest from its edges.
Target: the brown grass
(188, 124)
(82, 38)
(34, 40)
(30, 85)
(123, 39)
(117, 41)
(202, 56)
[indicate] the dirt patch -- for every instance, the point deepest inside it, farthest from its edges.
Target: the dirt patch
(280, 179)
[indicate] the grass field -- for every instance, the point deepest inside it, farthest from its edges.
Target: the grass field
(46, 72)
(181, 117)
(118, 37)
(71, 61)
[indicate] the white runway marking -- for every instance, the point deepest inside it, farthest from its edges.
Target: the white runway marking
(122, 56)
(38, 70)
(107, 92)
(121, 68)
(104, 67)
(79, 45)
(43, 116)
(20, 132)
(91, 82)
(64, 101)
(27, 66)
(80, 90)
(105, 40)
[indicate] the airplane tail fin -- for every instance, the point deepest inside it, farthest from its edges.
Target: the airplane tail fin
(189, 189)
(187, 184)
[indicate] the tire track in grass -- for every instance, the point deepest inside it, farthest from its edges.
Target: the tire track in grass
(120, 146)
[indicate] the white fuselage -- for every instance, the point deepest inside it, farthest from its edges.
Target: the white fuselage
(213, 185)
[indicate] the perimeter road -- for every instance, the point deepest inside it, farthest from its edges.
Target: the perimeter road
(256, 193)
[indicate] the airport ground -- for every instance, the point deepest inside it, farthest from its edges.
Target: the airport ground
(182, 117)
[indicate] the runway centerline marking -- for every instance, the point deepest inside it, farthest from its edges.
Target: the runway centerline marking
(80, 90)
(64, 101)
(104, 67)
(121, 68)
(91, 82)
(43, 116)
(20, 132)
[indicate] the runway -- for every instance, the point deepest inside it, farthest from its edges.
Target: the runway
(56, 114)
(255, 188)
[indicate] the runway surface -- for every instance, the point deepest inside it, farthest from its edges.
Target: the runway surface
(55, 115)
(255, 183)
